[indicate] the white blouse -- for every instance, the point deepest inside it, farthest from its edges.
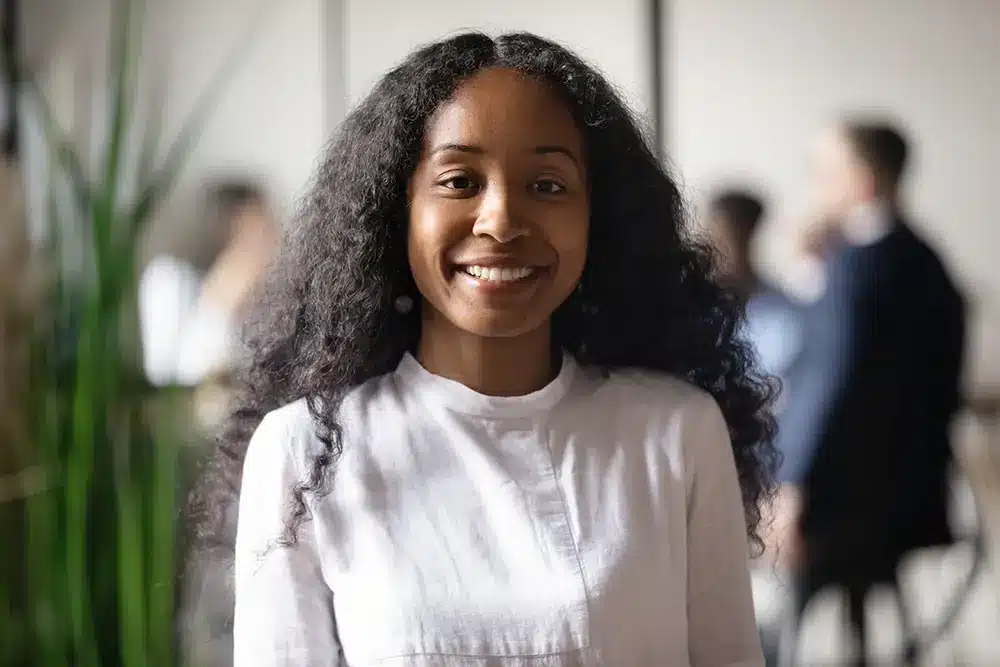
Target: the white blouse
(184, 338)
(597, 521)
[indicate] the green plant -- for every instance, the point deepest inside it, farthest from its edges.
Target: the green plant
(101, 534)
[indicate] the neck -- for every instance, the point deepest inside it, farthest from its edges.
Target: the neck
(744, 283)
(868, 222)
(492, 366)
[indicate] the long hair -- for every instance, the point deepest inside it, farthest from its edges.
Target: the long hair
(326, 321)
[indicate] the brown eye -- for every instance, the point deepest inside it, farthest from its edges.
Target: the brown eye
(547, 186)
(461, 183)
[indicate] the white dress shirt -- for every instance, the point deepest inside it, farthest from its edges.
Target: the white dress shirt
(597, 521)
(184, 338)
(866, 224)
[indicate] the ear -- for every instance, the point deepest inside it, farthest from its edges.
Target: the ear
(865, 184)
(872, 188)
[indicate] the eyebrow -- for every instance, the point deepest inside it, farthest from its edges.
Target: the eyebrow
(461, 148)
(560, 150)
(478, 150)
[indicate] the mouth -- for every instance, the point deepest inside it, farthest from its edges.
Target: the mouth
(499, 282)
(499, 275)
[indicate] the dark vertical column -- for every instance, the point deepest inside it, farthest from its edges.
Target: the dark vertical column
(10, 24)
(656, 55)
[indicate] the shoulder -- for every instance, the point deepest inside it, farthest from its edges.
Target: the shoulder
(925, 270)
(290, 419)
(288, 435)
(924, 252)
(655, 386)
(296, 425)
(663, 399)
(671, 416)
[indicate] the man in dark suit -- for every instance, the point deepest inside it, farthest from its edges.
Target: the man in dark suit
(878, 382)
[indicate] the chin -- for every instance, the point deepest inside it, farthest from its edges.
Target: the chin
(498, 325)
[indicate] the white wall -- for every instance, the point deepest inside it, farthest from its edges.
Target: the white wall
(610, 35)
(750, 83)
(269, 123)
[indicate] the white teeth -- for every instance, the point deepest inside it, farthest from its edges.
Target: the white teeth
(498, 275)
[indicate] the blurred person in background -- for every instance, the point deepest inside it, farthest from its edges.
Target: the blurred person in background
(867, 424)
(189, 319)
(773, 326)
(772, 319)
(497, 411)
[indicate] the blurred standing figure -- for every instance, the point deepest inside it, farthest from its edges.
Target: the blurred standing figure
(868, 422)
(772, 320)
(189, 319)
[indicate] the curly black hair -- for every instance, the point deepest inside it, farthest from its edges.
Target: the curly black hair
(326, 321)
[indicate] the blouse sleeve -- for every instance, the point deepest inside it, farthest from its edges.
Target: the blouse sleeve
(168, 290)
(284, 608)
(722, 630)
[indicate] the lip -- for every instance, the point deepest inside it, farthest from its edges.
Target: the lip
(514, 289)
(496, 262)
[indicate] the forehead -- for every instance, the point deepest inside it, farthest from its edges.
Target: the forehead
(503, 109)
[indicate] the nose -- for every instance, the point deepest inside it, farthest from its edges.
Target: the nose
(499, 217)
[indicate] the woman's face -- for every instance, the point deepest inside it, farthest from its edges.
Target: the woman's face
(499, 209)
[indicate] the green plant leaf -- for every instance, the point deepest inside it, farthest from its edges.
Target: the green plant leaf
(120, 75)
(163, 530)
(151, 133)
(102, 539)
(131, 584)
(79, 475)
(66, 154)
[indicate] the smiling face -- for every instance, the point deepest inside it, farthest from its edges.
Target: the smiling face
(499, 209)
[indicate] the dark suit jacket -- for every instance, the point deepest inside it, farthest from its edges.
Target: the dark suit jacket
(869, 411)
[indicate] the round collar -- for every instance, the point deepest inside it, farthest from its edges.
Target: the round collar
(456, 397)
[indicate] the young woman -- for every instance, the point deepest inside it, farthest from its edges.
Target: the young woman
(499, 413)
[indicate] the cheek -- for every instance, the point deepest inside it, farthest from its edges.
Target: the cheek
(832, 187)
(570, 237)
(432, 230)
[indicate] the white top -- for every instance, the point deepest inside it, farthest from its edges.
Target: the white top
(184, 338)
(597, 521)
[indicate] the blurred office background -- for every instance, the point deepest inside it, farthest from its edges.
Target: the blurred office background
(734, 92)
